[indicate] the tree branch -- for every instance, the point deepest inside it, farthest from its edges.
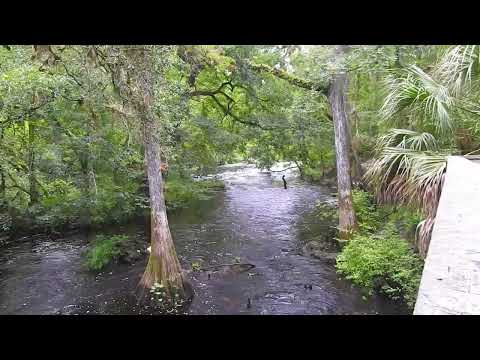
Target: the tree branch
(291, 167)
(73, 77)
(282, 74)
(190, 56)
(236, 118)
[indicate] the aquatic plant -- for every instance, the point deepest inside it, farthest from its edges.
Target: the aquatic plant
(103, 250)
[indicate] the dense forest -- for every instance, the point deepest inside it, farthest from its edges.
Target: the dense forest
(97, 136)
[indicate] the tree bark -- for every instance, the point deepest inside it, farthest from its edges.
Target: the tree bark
(303, 153)
(356, 168)
(31, 164)
(2, 175)
(89, 188)
(282, 74)
(337, 97)
(146, 193)
(163, 266)
(2, 183)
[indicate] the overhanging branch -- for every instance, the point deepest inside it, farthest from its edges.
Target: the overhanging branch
(282, 74)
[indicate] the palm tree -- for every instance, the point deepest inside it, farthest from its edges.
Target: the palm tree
(409, 169)
(409, 166)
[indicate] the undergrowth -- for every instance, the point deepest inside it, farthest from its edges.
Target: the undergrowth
(103, 250)
(379, 257)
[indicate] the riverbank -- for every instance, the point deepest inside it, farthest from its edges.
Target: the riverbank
(254, 221)
(380, 257)
(179, 193)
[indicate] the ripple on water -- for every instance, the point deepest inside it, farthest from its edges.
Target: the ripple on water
(253, 221)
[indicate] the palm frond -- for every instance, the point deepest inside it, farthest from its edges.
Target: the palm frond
(458, 66)
(408, 139)
(405, 174)
(423, 235)
(420, 92)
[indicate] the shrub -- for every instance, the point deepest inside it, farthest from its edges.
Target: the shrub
(368, 217)
(384, 263)
(406, 221)
(377, 258)
(103, 250)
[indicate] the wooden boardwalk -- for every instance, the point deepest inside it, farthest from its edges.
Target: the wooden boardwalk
(451, 277)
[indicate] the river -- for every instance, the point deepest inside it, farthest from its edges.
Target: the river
(255, 220)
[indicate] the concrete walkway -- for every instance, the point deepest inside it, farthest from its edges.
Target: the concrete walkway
(451, 277)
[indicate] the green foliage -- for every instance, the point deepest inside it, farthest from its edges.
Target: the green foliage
(72, 152)
(377, 258)
(427, 99)
(405, 220)
(182, 191)
(61, 205)
(86, 157)
(115, 203)
(369, 219)
(103, 250)
(384, 263)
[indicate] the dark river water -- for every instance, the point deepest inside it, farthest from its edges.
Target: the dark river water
(255, 220)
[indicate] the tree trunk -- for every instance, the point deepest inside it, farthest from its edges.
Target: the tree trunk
(163, 266)
(2, 183)
(301, 170)
(303, 154)
(86, 212)
(89, 188)
(2, 175)
(31, 164)
(337, 97)
(146, 193)
(356, 167)
(92, 126)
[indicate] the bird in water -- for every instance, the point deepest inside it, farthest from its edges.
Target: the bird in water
(249, 303)
(284, 182)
